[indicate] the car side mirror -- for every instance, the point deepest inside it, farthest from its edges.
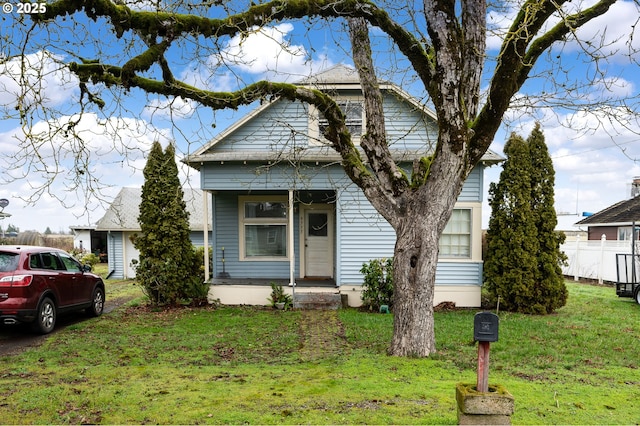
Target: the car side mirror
(86, 268)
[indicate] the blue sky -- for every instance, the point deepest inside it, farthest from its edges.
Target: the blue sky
(595, 159)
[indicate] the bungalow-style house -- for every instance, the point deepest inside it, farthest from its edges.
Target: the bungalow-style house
(284, 211)
(614, 222)
(120, 222)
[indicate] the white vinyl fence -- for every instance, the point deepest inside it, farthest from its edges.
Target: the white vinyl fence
(593, 259)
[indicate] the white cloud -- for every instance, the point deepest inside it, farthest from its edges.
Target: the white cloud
(267, 52)
(595, 158)
(37, 78)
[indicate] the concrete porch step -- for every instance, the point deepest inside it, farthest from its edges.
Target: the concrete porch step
(317, 301)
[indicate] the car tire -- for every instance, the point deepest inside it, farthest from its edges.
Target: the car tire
(46, 317)
(636, 295)
(97, 303)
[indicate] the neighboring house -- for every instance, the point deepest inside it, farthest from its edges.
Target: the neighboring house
(82, 238)
(320, 241)
(615, 222)
(120, 222)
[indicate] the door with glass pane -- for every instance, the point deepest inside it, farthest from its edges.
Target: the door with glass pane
(318, 242)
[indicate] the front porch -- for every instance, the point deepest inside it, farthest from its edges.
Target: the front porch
(300, 282)
(256, 291)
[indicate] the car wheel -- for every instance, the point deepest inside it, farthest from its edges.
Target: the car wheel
(637, 294)
(97, 303)
(46, 317)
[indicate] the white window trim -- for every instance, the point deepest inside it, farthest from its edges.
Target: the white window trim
(470, 255)
(260, 221)
(315, 138)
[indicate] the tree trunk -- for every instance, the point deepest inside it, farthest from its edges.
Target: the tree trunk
(414, 270)
(416, 254)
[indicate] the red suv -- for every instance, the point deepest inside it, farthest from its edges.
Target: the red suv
(37, 283)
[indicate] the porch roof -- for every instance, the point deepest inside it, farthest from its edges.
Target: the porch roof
(318, 155)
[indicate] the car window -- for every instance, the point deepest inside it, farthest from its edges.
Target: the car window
(51, 261)
(8, 261)
(35, 262)
(70, 263)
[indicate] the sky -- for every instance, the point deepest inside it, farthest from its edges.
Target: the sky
(595, 159)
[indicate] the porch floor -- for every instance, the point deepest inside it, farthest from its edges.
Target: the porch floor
(300, 282)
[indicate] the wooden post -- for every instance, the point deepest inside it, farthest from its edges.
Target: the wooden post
(483, 367)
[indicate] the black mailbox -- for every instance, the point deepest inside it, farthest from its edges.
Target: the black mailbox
(485, 327)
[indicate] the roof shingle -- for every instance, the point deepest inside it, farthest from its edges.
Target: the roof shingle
(626, 211)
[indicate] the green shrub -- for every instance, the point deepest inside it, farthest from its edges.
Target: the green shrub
(279, 296)
(88, 259)
(377, 289)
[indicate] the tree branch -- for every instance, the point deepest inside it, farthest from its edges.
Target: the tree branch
(519, 52)
(392, 180)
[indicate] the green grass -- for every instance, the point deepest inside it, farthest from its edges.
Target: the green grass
(252, 365)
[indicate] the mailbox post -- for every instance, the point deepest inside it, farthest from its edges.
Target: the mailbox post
(484, 404)
(485, 331)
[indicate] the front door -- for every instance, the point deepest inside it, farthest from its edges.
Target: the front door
(318, 242)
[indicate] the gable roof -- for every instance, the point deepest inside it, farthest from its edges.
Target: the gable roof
(337, 77)
(122, 214)
(339, 74)
(624, 212)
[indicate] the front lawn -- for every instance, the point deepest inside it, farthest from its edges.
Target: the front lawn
(261, 366)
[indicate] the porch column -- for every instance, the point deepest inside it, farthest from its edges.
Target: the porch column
(292, 258)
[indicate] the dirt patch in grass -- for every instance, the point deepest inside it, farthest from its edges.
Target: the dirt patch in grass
(321, 335)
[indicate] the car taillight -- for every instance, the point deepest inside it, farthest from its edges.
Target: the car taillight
(16, 281)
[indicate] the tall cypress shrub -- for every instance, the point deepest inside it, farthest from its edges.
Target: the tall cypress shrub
(550, 287)
(522, 265)
(166, 265)
(510, 264)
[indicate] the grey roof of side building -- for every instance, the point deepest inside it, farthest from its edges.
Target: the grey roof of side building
(623, 212)
(122, 214)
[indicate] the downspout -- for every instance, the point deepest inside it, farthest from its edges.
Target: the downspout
(205, 226)
(125, 263)
(110, 251)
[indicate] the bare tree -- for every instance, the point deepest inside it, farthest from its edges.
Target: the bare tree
(443, 44)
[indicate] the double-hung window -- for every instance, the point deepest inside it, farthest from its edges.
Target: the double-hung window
(354, 119)
(263, 228)
(456, 237)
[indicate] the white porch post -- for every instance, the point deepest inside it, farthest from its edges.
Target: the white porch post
(292, 258)
(205, 226)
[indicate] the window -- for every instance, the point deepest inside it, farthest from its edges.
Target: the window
(8, 261)
(263, 228)
(456, 237)
(46, 261)
(70, 263)
(354, 112)
(624, 233)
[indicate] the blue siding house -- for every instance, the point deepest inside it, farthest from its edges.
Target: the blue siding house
(283, 209)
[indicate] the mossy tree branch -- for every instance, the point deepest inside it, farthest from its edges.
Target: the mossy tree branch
(518, 54)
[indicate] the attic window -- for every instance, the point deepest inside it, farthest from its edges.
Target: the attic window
(354, 112)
